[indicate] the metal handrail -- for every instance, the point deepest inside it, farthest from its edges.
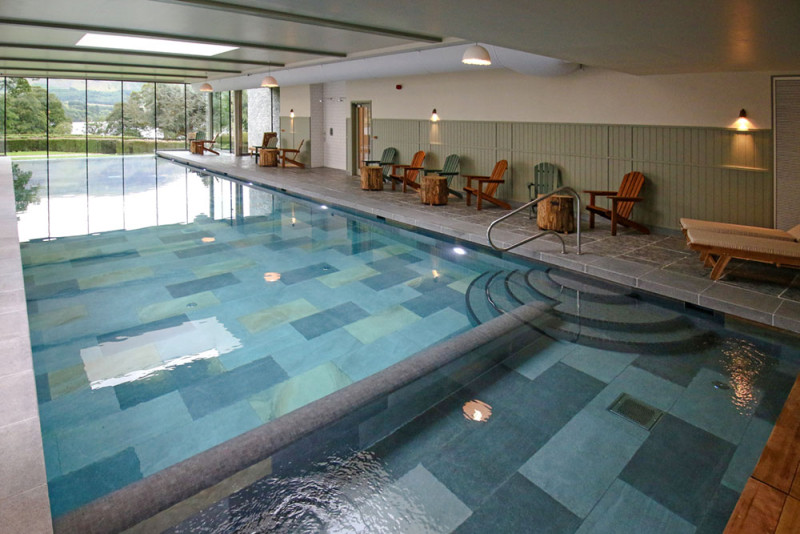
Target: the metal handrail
(533, 202)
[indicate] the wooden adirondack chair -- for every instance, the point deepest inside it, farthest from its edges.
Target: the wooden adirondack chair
(449, 169)
(622, 203)
(291, 154)
(407, 174)
(547, 179)
(204, 145)
(491, 186)
(387, 159)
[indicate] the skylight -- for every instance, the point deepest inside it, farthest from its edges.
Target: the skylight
(146, 44)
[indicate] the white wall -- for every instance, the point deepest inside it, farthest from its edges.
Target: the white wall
(335, 109)
(589, 96)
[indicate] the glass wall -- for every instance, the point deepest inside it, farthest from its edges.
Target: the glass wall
(104, 167)
(42, 117)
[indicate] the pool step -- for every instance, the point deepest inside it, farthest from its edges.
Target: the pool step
(585, 311)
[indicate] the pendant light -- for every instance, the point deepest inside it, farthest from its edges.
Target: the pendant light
(269, 81)
(206, 88)
(476, 55)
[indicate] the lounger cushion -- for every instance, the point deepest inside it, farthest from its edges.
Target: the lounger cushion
(740, 229)
(742, 245)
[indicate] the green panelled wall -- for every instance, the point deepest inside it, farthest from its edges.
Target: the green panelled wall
(710, 173)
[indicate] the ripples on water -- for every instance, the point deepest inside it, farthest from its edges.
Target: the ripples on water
(339, 495)
(745, 364)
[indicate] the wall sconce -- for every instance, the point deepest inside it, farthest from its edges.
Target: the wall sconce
(476, 55)
(291, 113)
(206, 88)
(742, 123)
(434, 116)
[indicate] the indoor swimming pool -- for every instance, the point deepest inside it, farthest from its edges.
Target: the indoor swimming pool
(208, 311)
(206, 307)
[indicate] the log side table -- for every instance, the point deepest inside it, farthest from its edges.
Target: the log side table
(267, 157)
(433, 190)
(372, 178)
(556, 213)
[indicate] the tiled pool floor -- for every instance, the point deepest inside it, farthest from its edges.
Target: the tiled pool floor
(551, 458)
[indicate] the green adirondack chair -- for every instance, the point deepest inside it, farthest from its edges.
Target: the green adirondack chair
(387, 158)
(547, 179)
(449, 169)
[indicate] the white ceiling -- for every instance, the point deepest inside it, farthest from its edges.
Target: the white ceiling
(37, 37)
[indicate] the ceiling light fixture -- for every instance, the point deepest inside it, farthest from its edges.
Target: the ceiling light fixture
(147, 44)
(206, 88)
(269, 81)
(291, 113)
(434, 116)
(476, 55)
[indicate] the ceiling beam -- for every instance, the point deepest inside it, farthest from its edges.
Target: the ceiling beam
(182, 57)
(162, 35)
(4, 71)
(114, 64)
(305, 19)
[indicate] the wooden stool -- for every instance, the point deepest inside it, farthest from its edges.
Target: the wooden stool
(433, 190)
(195, 147)
(556, 213)
(372, 178)
(267, 157)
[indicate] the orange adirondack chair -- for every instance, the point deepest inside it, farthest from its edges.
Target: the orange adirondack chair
(622, 203)
(290, 155)
(407, 174)
(491, 186)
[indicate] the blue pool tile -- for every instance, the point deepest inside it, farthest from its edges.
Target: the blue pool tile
(42, 388)
(138, 330)
(604, 365)
(297, 358)
(77, 408)
(56, 289)
(330, 319)
(358, 247)
(80, 487)
(306, 273)
(747, 454)
(183, 442)
(719, 512)
(203, 250)
(624, 509)
(187, 236)
(203, 284)
(442, 508)
(520, 506)
(145, 389)
(285, 244)
(679, 466)
(390, 278)
(393, 262)
(775, 391)
(104, 258)
(227, 388)
(434, 299)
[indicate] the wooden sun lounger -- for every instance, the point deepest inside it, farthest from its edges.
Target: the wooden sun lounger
(739, 229)
(717, 249)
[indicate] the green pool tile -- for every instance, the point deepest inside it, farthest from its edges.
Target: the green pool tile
(115, 277)
(298, 391)
(277, 315)
(341, 278)
(229, 266)
(178, 306)
(461, 285)
(382, 323)
(67, 380)
(62, 316)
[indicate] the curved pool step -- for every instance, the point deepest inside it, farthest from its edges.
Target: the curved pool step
(585, 311)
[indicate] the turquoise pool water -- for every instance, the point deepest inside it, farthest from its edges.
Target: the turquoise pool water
(203, 308)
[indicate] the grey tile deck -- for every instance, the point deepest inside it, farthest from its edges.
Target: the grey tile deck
(658, 263)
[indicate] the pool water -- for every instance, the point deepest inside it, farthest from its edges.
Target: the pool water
(532, 446)
(211, 310)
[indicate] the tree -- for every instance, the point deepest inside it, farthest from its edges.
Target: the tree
(142, 111)
(30, 109)
(23, 193)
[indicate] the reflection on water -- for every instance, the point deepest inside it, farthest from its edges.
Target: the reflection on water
(339, 495)
(745, 363)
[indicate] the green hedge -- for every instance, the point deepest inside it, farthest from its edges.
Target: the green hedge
(96, 145)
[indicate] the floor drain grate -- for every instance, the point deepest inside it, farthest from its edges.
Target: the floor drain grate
(636, 411)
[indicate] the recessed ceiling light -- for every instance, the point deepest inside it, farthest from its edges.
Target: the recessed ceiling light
(146, 44)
